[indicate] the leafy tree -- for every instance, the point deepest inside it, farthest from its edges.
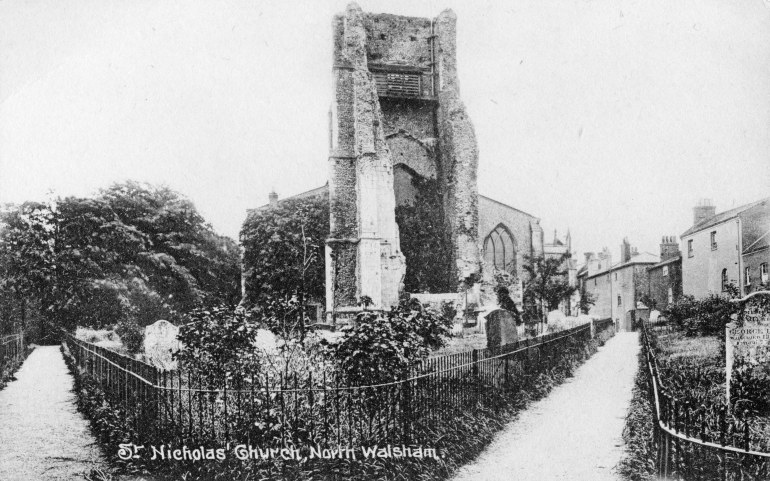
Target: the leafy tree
(55, 250)
(547, 286)
(283, 257)
(586, 300)
(424, 240)
(134, 252)
(186, 262)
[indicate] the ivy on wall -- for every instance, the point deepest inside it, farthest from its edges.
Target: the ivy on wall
(424, 240)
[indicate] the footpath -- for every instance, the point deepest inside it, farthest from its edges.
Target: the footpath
(572, 434)
(42, 436)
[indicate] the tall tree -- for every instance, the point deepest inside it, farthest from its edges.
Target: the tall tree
(548, 284)
(186, 263)
(135, 252)
(283, 258)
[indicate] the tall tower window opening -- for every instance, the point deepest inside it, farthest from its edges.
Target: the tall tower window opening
(500, 250)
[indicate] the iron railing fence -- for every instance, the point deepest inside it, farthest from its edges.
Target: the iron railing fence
(698, 441)
(310, 410)
(603, 324)
(11, 349)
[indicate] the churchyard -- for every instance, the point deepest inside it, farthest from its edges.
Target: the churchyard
(710, 396)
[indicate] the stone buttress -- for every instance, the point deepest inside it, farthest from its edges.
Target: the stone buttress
(396, 108)
(362, 254)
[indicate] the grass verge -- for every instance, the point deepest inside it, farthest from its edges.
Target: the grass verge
(637, 463)
(460, 440)
(8, 370)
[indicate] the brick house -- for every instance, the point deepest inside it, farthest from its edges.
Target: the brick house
(726, 248)
(665, 277)
(617, 288)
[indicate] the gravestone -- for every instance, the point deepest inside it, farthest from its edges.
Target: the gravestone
(557, 321)
(501, 328)
(747, 339)
(160, 342)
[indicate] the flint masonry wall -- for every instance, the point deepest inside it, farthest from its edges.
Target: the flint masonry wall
(377, 124)
(431, 134)
(459, 154)
(363, 255)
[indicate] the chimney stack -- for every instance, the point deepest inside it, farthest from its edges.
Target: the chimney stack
(625, 251)
(704, 210)
(669, 248)
(589, 256)
(273, 197)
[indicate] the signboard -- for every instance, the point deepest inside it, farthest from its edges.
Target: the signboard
(748, 339)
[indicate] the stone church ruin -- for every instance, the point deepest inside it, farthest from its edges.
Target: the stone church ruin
(396, 123)
(396, 114)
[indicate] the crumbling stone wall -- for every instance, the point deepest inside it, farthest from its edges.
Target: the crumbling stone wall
(458, 151)
(363, 254)
(417, 119)
(429, 133)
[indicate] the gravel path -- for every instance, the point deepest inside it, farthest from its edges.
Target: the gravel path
(572, 434)
(42, 436)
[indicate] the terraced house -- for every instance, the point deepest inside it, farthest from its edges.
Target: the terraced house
(726, 248)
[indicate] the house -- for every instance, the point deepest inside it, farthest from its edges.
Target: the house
(617, 288)
(665, 278)
(729, 248)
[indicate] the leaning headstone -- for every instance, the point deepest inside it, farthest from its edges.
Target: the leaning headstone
(501, 328)
(748, 339)
(160, 342)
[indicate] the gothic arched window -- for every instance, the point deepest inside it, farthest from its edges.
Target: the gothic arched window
(500, 250)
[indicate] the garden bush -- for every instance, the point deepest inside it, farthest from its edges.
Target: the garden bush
(131, 334)
(706, 317)
(381, 347)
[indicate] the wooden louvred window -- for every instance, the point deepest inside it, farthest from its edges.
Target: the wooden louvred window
(392, 84)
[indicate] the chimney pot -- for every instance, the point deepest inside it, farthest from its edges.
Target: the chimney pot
(704, 210)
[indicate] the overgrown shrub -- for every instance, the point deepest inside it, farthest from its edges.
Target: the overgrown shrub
(131, 334)
(380, 347)
(706, 316)
(750, 389)
(502, 282)
(219, 341)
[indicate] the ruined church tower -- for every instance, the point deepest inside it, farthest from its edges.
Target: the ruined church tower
(396, 109)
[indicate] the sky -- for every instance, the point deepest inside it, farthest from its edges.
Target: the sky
(610, 118)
